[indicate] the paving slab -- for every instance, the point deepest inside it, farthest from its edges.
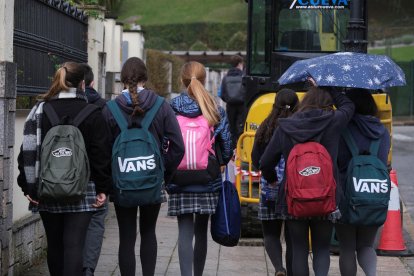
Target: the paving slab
(248, 259)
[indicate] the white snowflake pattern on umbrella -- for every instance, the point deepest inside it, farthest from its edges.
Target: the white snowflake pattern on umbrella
(347, 69)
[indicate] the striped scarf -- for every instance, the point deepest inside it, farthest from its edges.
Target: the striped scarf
(32, 139)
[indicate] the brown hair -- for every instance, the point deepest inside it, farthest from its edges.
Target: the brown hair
(69, 75)
(363, 101)
(316, 98)
(286, 102)
(235, 60)
(133, 72)
(193, 76)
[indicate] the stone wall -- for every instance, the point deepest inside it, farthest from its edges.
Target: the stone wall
(29, 243)
(7, 115)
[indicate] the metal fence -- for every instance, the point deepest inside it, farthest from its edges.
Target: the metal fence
(402, 98)
(46, 33)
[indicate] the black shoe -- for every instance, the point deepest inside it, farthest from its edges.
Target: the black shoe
(87, 271)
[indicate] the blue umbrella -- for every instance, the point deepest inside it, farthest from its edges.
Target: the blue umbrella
(346, 69)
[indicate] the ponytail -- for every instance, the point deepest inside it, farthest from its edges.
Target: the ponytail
(69, 75)
(206, 102)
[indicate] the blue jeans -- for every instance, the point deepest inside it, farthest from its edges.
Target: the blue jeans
(94, 238)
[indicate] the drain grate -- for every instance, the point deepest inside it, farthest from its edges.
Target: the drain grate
(250, 242)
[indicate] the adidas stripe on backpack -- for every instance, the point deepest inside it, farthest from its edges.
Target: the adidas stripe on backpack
(310, 182)
(367, 187)
(199, 164)
(137, 165)
(64, 162)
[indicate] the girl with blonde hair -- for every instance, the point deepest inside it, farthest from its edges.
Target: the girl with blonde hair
(190, 199)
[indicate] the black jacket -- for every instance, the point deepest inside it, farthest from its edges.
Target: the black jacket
(164, 127)
(95, 135)
(305, 126)
(232, 90)
(94, 97)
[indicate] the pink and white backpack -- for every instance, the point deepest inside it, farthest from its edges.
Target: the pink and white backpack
(198, 141)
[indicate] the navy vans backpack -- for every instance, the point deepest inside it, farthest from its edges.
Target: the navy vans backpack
(137, 166)
(367, 187)
(225, 224)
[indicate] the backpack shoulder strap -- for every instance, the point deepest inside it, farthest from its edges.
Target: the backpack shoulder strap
(149, 116)
(51, 114)
(84, 113)
(116, 112)
(374, 147)
(350, 142)
(100, 102)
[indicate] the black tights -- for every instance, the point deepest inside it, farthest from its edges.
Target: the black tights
(65, 233)
(127, 223)
(321, 232)
(271, 234)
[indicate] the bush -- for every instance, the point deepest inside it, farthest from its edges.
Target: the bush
(199, 46)
(183, 36)
(157, 62)
(237, 42)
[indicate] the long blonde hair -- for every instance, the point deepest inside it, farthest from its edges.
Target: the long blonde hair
(69, 75)
(193, 76)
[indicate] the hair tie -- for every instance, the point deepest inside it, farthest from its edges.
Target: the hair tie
(287, 106)
(193, 77)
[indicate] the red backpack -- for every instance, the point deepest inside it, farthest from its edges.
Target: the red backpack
(310, 182)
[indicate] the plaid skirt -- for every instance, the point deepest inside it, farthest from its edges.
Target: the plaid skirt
(84, 205)
(188, 203)
(266, 213)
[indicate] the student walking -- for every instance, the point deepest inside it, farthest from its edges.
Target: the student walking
(233, 93)
(192, 198)
(65, 222)
(315, 120)
(357, 242)
(285, 105)
(134, 103)
(96, 229)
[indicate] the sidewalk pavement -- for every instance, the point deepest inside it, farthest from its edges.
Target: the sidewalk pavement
(248, 259)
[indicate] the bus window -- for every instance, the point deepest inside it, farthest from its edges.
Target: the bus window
(260, 37)
(310, 30)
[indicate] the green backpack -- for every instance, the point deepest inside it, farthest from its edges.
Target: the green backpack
(367, 188)
(137, 165)
(64, 162)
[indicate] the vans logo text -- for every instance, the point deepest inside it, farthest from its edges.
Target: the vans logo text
(370, 185)
(136, 163)
(310, 171)
(62, 152)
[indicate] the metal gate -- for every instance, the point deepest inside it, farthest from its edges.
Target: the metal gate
(46, 33)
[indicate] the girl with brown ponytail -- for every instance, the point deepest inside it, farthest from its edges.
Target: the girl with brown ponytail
(194, 203)
(66, 223)
(134, 102)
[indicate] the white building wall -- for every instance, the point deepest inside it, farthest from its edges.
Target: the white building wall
(96, 36)
(20, 202)
(117, 55)
(109, 44)
(7, 22)
(135, 41)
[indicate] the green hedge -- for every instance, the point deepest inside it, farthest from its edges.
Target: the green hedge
(215, 36)
(158, 72)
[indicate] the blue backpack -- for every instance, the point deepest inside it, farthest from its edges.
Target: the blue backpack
(226, 222)
(367, 188)
(137, 166)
